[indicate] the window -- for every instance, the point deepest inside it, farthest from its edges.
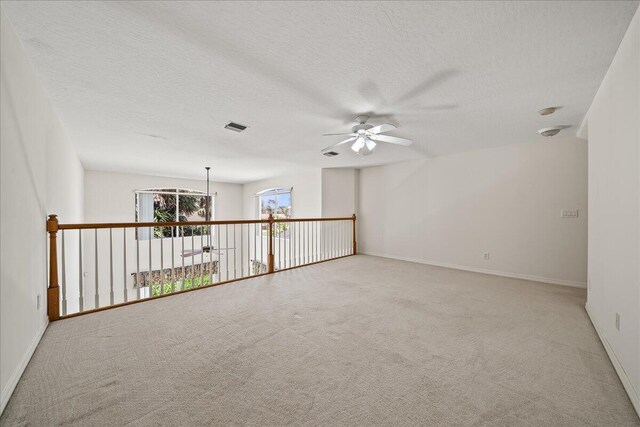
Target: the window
(276, 202)
(173, 205)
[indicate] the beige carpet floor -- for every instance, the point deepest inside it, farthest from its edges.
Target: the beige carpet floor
(357, 341)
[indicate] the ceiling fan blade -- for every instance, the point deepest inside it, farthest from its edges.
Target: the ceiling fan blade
(391, 139)
(337, 134)
(431, 82)
(368, 147)
(191, 253)
(387, 127)
(339, 143)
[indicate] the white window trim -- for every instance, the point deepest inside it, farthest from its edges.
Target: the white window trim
(177, 193)
(269, 192)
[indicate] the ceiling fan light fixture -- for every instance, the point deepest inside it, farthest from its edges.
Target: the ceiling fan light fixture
(368, 148)
(364, 137)
(360, 142)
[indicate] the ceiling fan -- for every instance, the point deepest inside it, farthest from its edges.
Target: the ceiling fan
(365, 136)
(205, 249)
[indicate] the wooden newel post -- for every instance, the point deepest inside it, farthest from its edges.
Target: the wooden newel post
(53, 292)
(270, 259)
(355, 244)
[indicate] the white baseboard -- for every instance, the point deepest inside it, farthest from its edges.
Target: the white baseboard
(17, 374)
(485, 271)
(622, 374)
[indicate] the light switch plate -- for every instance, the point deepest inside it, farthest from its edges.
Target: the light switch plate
(566, 213)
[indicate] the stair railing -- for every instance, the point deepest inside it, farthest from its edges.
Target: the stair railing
(94, 267)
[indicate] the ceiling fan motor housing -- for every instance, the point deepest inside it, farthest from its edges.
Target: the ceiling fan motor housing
(362, 126)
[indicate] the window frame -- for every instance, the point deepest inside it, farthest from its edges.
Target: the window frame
(275, 192)
(176, 191)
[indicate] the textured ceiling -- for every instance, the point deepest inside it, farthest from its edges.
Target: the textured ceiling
(147, 87)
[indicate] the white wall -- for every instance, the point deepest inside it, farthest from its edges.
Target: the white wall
(339, 192)
(306, 198)
(327, 192)
(110, 197)
(506, 202)
(40, 174)
(613, 131)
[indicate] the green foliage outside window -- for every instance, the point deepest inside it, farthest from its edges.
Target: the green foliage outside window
(175, 205)
(278, 205)
(181, 285)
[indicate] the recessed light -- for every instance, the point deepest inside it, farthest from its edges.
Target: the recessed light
(330, 153)
(552, 131)
(236, 127)
(547, 111)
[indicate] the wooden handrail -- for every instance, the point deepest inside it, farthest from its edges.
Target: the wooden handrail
(190, 223)
(355, 244)
(53, 291)
(53, 226)
(270, 256)
(156, 224)
(346, 218)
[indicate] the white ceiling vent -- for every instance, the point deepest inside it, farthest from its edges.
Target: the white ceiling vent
(236, 127)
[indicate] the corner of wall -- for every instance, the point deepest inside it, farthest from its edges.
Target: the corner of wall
(8, 389)
(614, 211)
(634, 396)
(583, 130)
(32, 139)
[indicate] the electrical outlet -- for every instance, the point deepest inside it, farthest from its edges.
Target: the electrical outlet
(38, 302)
(486, 255)
(564, 213)
(617, 321)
